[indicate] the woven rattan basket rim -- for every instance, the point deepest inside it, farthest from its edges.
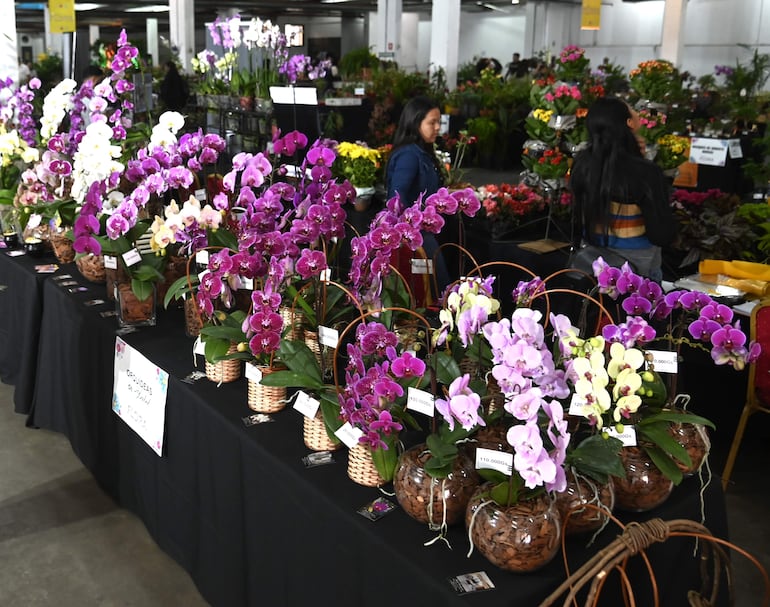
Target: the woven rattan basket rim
(361, 468)
(224, 371)
(266, 399)
(315, 435)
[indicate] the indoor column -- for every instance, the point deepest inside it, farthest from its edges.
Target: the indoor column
(673, 26)
(389, 28)
(445, 34)
(182, 29)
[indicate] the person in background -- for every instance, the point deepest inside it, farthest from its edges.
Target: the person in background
(174, 89)
(414, 170)
(621, 199)
(516, 68)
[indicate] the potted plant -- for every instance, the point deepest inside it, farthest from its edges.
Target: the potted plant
(358, 64)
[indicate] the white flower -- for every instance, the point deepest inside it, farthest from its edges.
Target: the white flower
(172, 121)
(161, 136)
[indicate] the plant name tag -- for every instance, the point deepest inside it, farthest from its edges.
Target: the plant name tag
(734, 148)
(328, 336)
(199, 347)
(202, 257)
(664, 361)
(110, 262)
(422, 266)
(627, 437)
(420, 401)
(247, 284)
(349, 435)
(34, 221)
(200, 194)
(492, 459)
(132, 257)
(306, 404)
(579, 406)
(326, 275)
(253, 372)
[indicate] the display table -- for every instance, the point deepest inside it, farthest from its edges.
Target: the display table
(20, 311)
(236, 507)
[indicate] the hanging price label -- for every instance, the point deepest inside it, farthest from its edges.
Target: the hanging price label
(253, 372)
(199, 347)
(328, 337)
(491, 459)
(202, 257)
(420, 401)
(578, 406)
(110, 262)
(664, 361)
(349, 435)
(306, 404)
(422, 266)
(200, 195)
(627, 437)
(132, 257)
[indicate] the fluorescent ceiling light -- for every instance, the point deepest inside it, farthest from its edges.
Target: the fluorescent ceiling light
(87, 6)
(334, 1)
(150, 8)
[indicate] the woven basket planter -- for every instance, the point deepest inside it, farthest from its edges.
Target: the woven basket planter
(361, 468)
(266, 399)
(91, 267)
(224, 371)
(292, 323)
(315, 435)
(324, 356)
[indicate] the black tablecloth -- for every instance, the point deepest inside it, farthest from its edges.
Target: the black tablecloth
(235, 506)
(20, 310)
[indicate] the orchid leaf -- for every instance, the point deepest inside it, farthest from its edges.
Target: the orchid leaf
(493, 476)
(665, 464)
(330, 410)
(447, 369)
(677, 417)
(178, 288)
(216, 349)
(298, 358)
(385, 460)
(222, 238)
(291, 379)
(504, 494)
(597, 457)
(659, 435)
(142, 289)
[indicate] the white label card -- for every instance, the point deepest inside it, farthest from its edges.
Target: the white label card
(306, 404)
(202, 257)
(711, 152)
(328, 337)
(735, 149)
(664, 361)
(326, 275)
(200, 195)
(247, 284)
(422, 266)
(34, 221)
(349, 435)
(492, 459)
(199, 347)
(253, 372)
(627, 437)
(359, 90)
(110, 262)
(578, 406)
(420, 401)
(132, 257)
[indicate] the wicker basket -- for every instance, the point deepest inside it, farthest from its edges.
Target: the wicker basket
(311, 341)
(266, 399)
(192, 319)
(361, 468)
(91, 267)
(62, 248)
(498, 398)
(469, 365)
(224, 371)
(315, 435)
(292, 323)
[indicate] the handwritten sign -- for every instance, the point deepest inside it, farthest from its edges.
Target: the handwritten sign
(712, 152)
(139, 394)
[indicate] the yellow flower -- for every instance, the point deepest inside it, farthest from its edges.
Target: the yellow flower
(542, 115)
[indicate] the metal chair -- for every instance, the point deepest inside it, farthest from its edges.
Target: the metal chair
(758, 389)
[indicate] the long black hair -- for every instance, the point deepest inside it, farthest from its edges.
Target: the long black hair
(408, 130)
(596, 177)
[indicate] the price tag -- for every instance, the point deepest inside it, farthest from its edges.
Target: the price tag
(328, 337)
(202, 274)
(349, 435)
(34, 220)
(306, 404)
(132, 257)
(199, 347)
(492, 459)
(420, 401)
(247, 284)
(734, 148)
(422, 266)
(326, 275)
(627, 437)
(664, 361)
(200, 196)
(359, 90)
(202, 257)
(578, 406)
(253, 372)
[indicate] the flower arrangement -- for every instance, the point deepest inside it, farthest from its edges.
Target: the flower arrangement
(673, 150)
(654, 80)
(510, 204)
(358, 163)
(652, 125)
(563, 99)
(551, 164)
(572, 65)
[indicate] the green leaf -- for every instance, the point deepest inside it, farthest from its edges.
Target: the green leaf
(216, 349)
(598, 457)
(227, 333)
(665, 464)
(677, 417)
(493, 476)
(447, 369)
(385, 460)
(291, 379)
(142, 289)
(504, 494)
(659, 435)
(298, 357)
(178, 288)
(222, 238)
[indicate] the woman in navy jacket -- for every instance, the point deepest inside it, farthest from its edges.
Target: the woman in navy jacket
(413, 169)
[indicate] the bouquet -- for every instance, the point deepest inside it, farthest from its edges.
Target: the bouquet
(357, 163)
(510, 203)
(654, 79)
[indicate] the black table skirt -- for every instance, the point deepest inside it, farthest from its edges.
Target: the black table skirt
(236, 507)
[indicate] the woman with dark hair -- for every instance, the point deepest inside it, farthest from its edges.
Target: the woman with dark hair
(174, 90)
(414, 170)
(621, 199)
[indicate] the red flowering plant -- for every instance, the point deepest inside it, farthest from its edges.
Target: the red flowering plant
(551, 164)
(652, 125)
(509, 204)
(572, 64)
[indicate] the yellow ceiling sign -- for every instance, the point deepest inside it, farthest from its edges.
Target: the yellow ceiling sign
(62, 16)
(591, 15)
